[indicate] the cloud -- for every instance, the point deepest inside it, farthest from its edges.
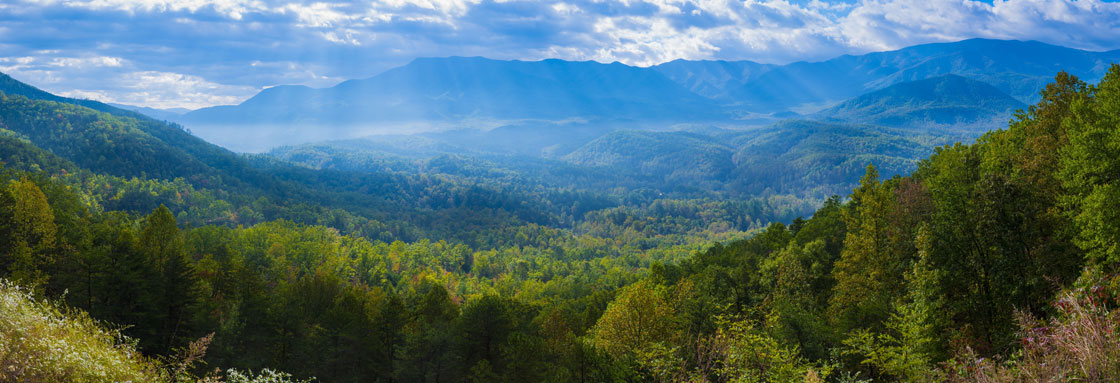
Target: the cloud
(190, 53)
(112, 79)
(170, 90)
(318, 15)
(86, 62)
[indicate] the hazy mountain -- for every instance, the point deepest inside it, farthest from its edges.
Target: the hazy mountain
(947, 100)
(159, 114)
(461, 91)
(120, 145)
(66, 137)
(435, 94)
(712, 78)
(1018, 68)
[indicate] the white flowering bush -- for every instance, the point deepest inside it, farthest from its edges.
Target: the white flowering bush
(43, 342)
(265, 376)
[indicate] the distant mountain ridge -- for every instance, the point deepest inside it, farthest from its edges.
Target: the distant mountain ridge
(161, 114)
(712, 79)
(462, 91)
(437, 94)
(473, 92)
(1018, 68)
(471, 87)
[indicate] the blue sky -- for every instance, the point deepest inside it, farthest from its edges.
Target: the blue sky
(195, 53)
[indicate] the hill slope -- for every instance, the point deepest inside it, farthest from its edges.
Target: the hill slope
(815, 158)
(947, 100)
(160, 163)
(13, 87)
(675, 156)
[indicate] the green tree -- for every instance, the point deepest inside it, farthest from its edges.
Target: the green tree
(1091, 170)
(637, 317)
(869, 272)
(27, 232)
(163, 245)
(911, 341)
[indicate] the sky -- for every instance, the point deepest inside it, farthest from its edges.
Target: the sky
(197, 53)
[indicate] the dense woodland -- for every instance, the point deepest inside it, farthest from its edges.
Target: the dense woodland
(994, 261)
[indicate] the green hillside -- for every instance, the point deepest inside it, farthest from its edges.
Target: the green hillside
(806, 157)
(678, 157)
(947, 101)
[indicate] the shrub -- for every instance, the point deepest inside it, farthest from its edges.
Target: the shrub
(1081, 344)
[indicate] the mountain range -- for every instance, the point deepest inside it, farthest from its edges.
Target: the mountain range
(432, 94)
(682, 125)
(1018, 68)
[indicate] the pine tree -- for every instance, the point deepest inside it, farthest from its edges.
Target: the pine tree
(163, 245)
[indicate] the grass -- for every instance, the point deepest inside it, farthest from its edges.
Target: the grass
(41, 341)
(44, 342)
(1082, 344)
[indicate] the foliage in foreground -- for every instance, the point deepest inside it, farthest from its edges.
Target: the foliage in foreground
(41, 341)
(1080, 344)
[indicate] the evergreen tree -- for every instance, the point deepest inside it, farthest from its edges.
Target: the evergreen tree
(162, 244)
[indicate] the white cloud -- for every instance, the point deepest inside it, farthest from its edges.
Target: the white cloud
(446, 7)
(163, 90)
(249, 44)
(648, 41)
(10, 64)
(176, 90)
(112, 79)
(566, 9)
(879, 25)
(86, 62)
(232, 8)
(318, 15)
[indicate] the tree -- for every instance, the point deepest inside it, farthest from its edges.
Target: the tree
(1091, 170)
(638, 316)
(868, 274)
(27, 231)
(796, 308)
(909, 346)
(484, 327)
(163, 245)
(427, 353)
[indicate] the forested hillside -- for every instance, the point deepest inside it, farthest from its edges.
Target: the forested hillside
(995, 261)
(943, 101)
